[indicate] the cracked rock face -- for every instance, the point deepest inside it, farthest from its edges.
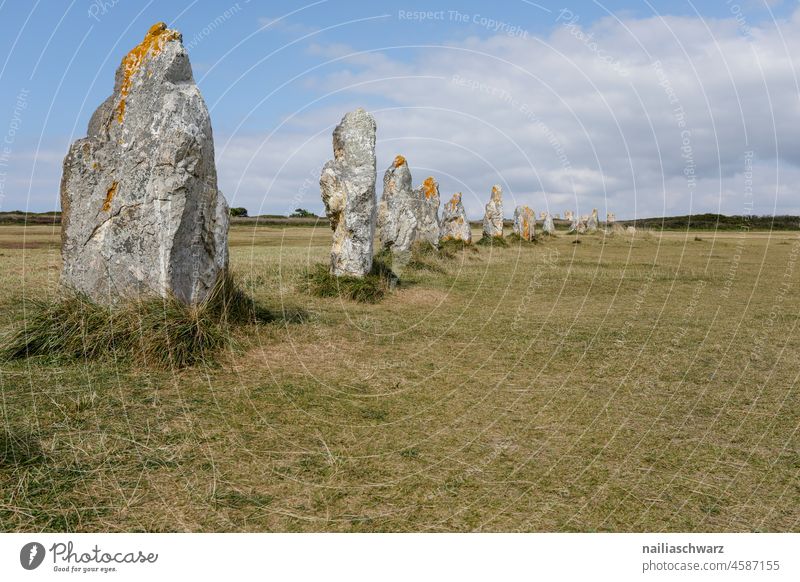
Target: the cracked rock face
(141, 211)
(454, 221)
(428, 224)
(493, 217)
(547, 224)
(347, 185)
(398, 209)
(524, 222)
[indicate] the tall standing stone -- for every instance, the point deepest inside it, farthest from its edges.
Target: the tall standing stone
(398, 210)
(428, 224)
(524, 223)
(569, 215)
(547, 224)
(592, 222)
(142, 214)
(493, 217)
(348, 191)
(454, 221)
(611, 218)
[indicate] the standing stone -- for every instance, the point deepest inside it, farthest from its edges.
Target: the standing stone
(581, 226)
(592, 222)
(542, 215)
(428, 225)
(142, 214)
(398, 210)
(454, 221)
(569, 215)
(611, 218)
(547, 225)
(524, 223)
(493, 217)
(574, 223)
(348, 191)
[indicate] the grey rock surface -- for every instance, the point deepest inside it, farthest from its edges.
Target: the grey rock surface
(547, 224)
(454, 221)
(141, 211)
(593, 222)
(347, 184)
(524, 223)
(493, 216)
(428, 223)
(398, 209)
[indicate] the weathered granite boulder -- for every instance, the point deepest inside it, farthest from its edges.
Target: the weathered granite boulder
(547, 224)
(592, 222)
(141, 211)
(524, 223)
(454, 221)
(428, 224)
(493, 217)
(348, 191)
(398, 209)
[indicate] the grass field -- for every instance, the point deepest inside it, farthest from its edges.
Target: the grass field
(620, 384)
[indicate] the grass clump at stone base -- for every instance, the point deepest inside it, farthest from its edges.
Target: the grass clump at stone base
(450, 246)
(425, 257)
(371, 288)
(152, 331)
(514, 239)
(488, 241)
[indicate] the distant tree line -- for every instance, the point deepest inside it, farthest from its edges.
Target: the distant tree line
(717, 222)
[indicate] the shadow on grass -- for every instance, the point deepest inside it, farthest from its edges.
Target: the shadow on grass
(157, 332)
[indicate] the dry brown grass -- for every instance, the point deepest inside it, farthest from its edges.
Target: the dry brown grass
(623, 384)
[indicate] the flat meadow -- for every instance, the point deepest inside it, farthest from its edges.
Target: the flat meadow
(623, 383)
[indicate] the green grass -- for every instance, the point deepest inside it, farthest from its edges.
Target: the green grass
(151, 331)
(371, 288)
(627, 383)
(489, 241)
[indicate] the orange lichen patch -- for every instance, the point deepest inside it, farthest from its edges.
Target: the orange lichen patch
(460, 220)
(526, 229)
(399, 161)
(429, 187)
(153, 43)
(496, 192)
(110, 196)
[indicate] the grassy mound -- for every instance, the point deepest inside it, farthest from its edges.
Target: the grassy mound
(514, 238)
(369, 289)
(488, 241)
(449, 247)
(157, 332)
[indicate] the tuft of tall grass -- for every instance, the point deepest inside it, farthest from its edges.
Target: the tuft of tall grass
(488, 241)
(159, 332)
(450, 246)
(371, 288)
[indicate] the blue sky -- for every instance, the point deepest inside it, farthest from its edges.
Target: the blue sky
(566, 105)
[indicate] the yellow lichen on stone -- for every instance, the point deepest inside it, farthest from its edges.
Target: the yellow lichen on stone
(526, 229)
(110, 196)
(429, 187)
(152, 44)
(399, 161)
